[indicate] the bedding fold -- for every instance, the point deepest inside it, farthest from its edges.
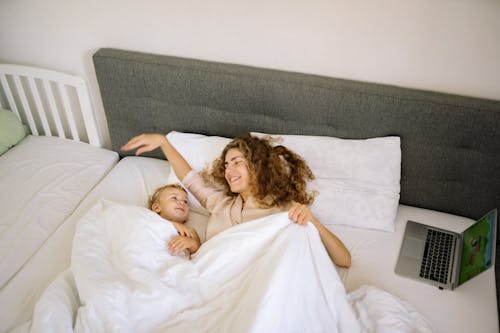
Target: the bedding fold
(267, 275)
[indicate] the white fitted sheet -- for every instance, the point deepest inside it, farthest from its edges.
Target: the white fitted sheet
(42, 181)
(470, 308)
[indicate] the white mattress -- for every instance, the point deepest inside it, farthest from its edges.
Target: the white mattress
(470, 308)
(42, 181)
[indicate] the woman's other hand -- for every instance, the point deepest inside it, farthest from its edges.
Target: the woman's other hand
(144, 143)
(148, 142)
(300, 214)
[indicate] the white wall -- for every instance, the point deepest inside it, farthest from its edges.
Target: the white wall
(444, 45)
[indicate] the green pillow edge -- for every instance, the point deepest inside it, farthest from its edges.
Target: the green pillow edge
(12, 130)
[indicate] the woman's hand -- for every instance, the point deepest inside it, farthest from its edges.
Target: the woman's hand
(145, 143)
(300, 214)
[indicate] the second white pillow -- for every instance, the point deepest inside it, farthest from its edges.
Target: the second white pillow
(358, 180)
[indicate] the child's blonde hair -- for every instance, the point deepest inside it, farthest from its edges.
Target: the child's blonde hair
(156, 194)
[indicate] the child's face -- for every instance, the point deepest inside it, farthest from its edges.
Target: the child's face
(172, 205)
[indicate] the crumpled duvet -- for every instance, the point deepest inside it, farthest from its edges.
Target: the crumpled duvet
(267, 275)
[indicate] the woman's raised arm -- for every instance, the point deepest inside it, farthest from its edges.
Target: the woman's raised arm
(148, 142)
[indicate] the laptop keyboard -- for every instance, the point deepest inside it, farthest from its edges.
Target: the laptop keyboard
(437, 254)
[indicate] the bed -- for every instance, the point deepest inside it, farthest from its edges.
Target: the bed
(52, 156)
(448, 174)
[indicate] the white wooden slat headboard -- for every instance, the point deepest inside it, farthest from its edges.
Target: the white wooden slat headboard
(51, 103)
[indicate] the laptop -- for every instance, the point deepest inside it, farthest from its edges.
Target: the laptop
(444, 258)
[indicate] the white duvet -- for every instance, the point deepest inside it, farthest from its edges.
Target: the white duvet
(267, 275)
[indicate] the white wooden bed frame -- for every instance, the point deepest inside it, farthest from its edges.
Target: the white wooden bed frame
(49, 102)
(53, 104)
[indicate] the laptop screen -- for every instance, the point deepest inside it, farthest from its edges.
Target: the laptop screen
(478, 247)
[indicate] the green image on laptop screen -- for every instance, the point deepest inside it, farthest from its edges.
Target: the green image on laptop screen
(477, 250)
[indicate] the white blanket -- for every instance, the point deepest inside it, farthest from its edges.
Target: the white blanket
(268, 275)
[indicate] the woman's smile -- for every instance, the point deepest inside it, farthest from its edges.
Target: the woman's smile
(234, 179)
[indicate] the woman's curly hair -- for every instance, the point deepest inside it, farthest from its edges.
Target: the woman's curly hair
(278, 176)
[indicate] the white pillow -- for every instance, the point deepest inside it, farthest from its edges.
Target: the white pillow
(357, 180)
(199, 151)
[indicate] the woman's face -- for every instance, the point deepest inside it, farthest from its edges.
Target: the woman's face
(237, 175)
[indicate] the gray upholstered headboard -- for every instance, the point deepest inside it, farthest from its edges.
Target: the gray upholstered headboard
(450, 144)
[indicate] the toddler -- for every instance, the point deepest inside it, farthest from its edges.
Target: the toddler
(170, 202)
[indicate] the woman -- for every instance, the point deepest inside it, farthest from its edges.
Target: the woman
(251, 179)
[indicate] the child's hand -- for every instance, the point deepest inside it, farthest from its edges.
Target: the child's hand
(178, 244)
(183, 230)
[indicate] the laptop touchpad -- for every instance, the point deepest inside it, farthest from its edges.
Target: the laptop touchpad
(413, 247)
